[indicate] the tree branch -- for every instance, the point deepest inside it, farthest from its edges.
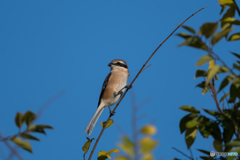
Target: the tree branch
(95, 145)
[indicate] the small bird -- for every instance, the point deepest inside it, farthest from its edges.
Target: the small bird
(113, 87)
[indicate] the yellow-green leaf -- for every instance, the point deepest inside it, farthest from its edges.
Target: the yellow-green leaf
(102, 155)
(110, 122)
(113, 151)
(194, 122)
(127, 146)
(231, 20)
(204, 59)
(19, 119)
(86, 146)
(225, 2)
(211, 64)
(147, 144)
(148, 156)
(121, 158)
(218, 36)
(148, 129)
(21, 143)
(190, 136)
(211, 73)
(234, 37)
(204, 91)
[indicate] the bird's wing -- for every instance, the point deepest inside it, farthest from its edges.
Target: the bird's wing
(104, 87)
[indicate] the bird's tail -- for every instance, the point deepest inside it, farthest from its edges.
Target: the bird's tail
(93, 121)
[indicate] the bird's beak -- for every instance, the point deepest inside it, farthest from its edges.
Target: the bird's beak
(109, 64)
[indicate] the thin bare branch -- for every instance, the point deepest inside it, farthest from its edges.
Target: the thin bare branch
(182, 153)
(95, 145)
(12, 149)
(49, 102)
(218, 58)
(146, 67)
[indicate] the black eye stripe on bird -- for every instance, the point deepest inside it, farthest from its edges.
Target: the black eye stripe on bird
(113, 87)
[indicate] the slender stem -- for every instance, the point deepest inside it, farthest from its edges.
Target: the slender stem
(182, 153)
(95, 145)
(134, 125)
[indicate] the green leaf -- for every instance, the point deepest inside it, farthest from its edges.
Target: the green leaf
(190, 136)
(189, 109)
(189, 29)
(209, 112)
(200, 73)
(127, 146)
(23, 144)
(235, 54)
(195, 42)
(218, 36)
(207, 29)
(204, 59)
(234, 37)
(201, 85)
(110, 122)
(28, 136)
(184, 35)
(211, 73)
(29, 117)
(102, 157)
(38, 128)
(19, 119)
(234, 144)
(236, 66)
(203, 151)
(230, 12)
(236, 149)
(228, 133)
(148, 130)
(223, 97)
(218, 145)
(226, 81)
(86, 146)
(234, 91)
(184, 120)
(147, 144)
(215, 131)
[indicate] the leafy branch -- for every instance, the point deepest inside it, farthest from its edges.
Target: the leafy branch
(140, 71)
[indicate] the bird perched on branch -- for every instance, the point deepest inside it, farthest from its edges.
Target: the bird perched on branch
(113, 87)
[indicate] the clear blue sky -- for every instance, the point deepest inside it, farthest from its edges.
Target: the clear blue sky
(49, 46)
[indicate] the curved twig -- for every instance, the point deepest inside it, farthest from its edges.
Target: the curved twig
(95, 145)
